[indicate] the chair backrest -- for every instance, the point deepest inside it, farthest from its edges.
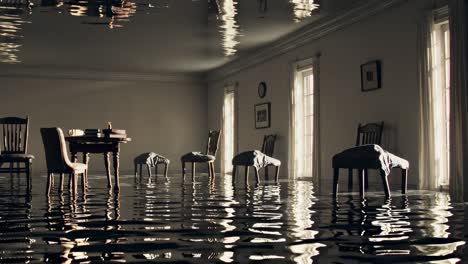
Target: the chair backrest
(369, 134)
(55, 150)
(268, 146)
(213, 140)
(14, 135)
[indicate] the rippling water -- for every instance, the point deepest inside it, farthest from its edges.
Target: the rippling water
(214, 221)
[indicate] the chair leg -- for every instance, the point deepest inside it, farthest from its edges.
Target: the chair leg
(234, 170)
(209, 170)
(156, 169)
(166, 168)
(277, 173)
(141, 170)
(385, 183)
(28, 166)
(266, 172)
(70, 182)
(336, 175)
(212, 170)
(61, 181)
(366, 179)
(49, 175)
(149, 170)
(404, 181)
(257, 177)
(136, 169)
(183, 169)
(350, 179)
(193, 169)
(83, 182)
(361, 174)
(246, 173)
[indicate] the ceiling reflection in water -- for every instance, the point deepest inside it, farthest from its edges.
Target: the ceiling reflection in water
(13, 16)
(303, 9)
(229, 28)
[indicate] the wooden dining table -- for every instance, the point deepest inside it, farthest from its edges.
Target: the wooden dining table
(98, 145)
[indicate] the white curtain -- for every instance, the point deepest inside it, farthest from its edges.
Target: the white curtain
(295, 94)
(427, 175)
(458, 100)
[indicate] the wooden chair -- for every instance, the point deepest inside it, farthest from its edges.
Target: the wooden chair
(57, 159)
(257, 159)
(198, 157)
(15, 145)
(370, 133)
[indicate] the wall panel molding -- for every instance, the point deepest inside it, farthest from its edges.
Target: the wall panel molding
(20, 71)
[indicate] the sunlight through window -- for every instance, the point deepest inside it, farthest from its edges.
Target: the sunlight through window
(303, 122)
(441, 100)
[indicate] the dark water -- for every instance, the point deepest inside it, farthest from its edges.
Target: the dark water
(203, 222)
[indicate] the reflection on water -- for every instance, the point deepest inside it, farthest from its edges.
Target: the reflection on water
(13, 15)
(229, 28)
(213, 221)
(303, 9)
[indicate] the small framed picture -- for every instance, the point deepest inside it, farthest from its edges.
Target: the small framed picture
(262, 115)
(371, 76)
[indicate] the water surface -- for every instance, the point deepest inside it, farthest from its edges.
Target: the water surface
(175, 221)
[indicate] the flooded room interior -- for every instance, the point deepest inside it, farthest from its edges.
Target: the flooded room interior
(233, 131)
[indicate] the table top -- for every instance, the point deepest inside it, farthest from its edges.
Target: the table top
(94, 139)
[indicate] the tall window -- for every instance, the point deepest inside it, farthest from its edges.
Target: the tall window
(228, 129)
(303, 127)
(441, 100)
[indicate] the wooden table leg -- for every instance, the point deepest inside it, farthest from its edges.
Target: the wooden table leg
(106, 163)
(85, 161)
(116, 168)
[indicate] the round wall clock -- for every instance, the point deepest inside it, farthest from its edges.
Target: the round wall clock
(262, 89)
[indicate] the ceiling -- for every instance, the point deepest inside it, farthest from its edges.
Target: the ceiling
(171, 36)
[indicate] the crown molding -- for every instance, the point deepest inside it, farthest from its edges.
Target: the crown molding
(21, 71)
(302, 36)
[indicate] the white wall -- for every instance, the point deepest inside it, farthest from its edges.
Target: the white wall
(389, 37)
(166, 117)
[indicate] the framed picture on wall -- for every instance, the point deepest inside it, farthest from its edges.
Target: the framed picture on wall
(371, 76)
(262, 115)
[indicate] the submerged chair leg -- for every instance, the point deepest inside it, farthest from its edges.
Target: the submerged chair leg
(366, 179)
(193, 169)
(149, 170)
(404, 181)
(136, 169)
(156, 169)
(277, 173)
(49, 175)
(361, 182)
(210, 172)
(183, 169)
(246, 173)
(166, 168)
(257, 177)
(350, 179)
(385, 183)
(61, 181)
(213, 169)
(234, 170)
(336, 175)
